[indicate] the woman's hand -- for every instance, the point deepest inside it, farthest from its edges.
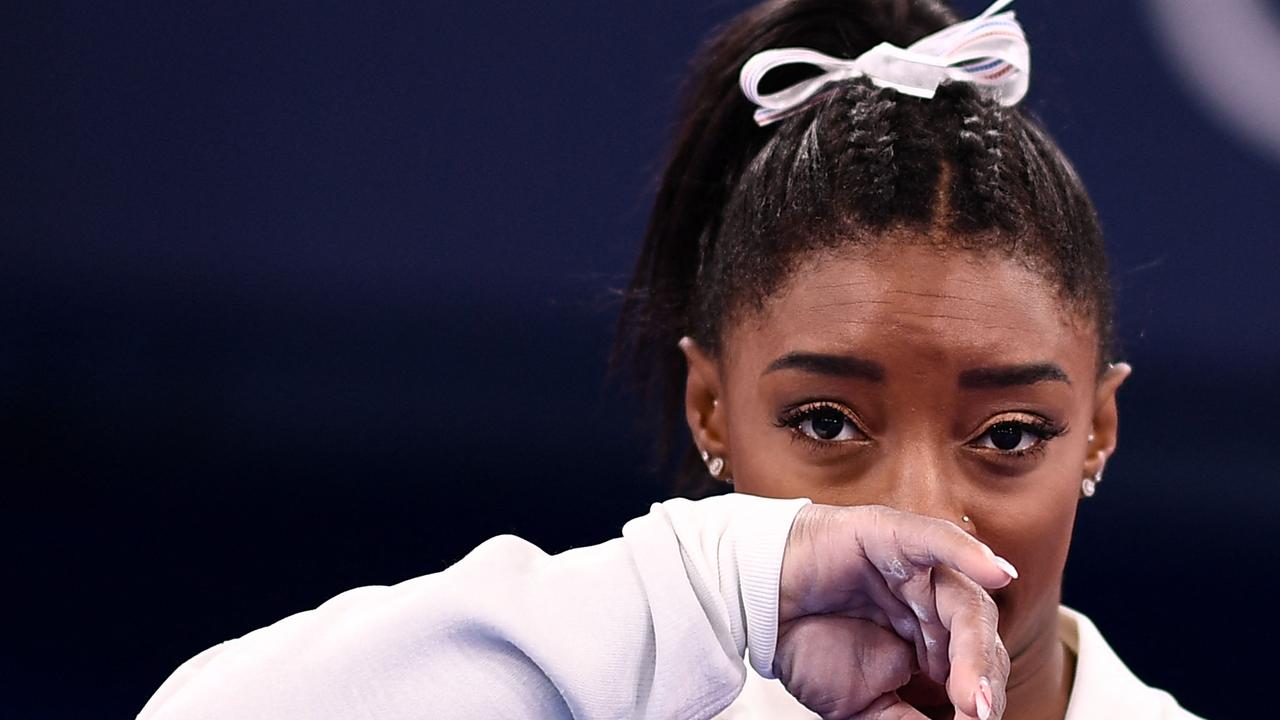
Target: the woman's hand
(870, 595)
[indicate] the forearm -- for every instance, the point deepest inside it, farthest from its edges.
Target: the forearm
(649, 625)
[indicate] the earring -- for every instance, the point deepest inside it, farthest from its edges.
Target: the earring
(1090, 484)
(715, 466)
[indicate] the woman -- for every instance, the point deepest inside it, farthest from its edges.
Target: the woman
(883, 292)
(892, 301)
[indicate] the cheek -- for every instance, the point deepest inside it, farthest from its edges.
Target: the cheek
(762, 461)
(1033, 530)
(1031, 521)
(771, 462)
(1034, 519)
(760, 471)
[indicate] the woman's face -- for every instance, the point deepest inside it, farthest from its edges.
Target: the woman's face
(947, 384)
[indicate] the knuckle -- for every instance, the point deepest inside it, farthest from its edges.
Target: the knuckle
(946, 539)
(872, 513)
(986, 604)
(1003, 662)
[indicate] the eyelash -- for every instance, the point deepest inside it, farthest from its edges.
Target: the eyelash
(793, 417)
(1042, 428)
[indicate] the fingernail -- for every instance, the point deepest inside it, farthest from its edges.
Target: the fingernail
(1006, 566)
(982, 698)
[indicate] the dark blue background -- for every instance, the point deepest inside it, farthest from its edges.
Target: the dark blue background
(299, 298)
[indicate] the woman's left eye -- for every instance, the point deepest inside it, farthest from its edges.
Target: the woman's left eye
(1015, 437)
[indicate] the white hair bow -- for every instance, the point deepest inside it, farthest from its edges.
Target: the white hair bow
(989, 51)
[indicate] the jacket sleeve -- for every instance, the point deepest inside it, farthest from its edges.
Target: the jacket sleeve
(649, 625)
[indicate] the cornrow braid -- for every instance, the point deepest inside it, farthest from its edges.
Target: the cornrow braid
(869, 158)
(980, 197)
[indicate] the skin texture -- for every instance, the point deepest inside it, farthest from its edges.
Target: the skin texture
(916, 439)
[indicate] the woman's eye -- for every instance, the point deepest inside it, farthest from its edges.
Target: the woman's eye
(826, 424)
(1014, 438)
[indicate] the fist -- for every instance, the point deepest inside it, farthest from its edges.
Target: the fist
(870, 596)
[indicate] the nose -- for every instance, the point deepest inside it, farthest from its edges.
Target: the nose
(922, 478)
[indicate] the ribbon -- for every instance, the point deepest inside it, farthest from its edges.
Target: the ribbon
(989, 51)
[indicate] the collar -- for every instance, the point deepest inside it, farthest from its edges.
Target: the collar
(1104, 687)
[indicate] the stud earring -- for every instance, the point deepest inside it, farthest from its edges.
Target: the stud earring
(1089, 485)
(715, 466)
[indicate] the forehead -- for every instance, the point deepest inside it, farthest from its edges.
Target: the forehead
(953, 307)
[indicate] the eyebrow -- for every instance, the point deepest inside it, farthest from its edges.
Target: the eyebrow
(982, 378)
(845, 366)
(1005, 376)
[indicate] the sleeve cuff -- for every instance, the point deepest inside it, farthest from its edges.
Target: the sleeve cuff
(761, 528)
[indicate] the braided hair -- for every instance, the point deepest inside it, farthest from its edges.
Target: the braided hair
(739, 206)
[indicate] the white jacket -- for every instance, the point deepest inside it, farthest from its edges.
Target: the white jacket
(650, 625)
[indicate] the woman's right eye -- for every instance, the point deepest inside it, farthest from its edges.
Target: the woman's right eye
(823, 422)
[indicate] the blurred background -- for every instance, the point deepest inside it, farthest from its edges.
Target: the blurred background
(302, 297)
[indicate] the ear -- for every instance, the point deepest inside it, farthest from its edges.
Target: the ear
(1105, 418)
(704, 402)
